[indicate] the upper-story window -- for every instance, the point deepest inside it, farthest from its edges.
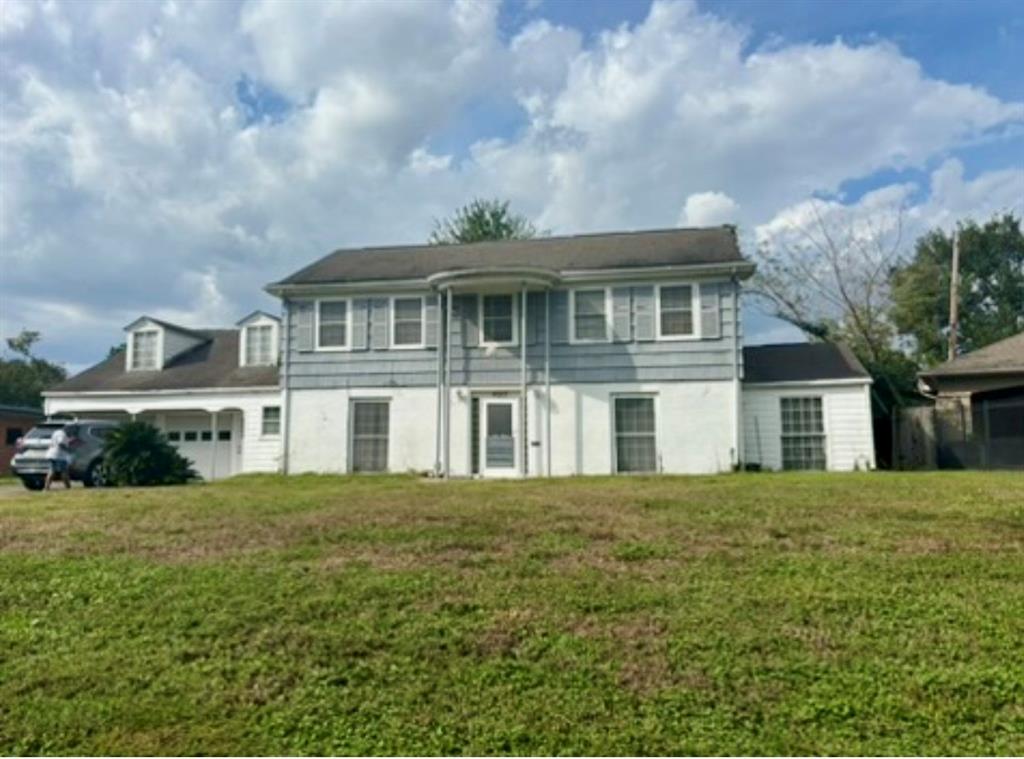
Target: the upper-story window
(498, 320)
(144, 349)
(589, 315)
(259, 345)
(407, 322)
(332, 324)
(675, 311)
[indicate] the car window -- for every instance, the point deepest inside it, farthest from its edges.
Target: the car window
(42, 432)
(99, 432)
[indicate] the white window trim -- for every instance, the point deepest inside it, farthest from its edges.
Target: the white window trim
(573, 340)
(130, 358)
(243, 346)
(280, 421)
(423, 323)
(348, 325)
(515, 322)
(694, 307)
(613, 397)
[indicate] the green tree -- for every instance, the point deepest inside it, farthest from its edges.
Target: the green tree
(482, 220)
(991, 288)
(24, 376)
(137, 453)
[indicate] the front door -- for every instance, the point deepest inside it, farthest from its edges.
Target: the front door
(499, 435)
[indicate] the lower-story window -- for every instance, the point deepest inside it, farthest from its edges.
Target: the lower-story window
(370, 427)
(636, 447)
(803, 433)
(271, 422)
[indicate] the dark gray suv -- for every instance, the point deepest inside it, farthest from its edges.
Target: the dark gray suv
(85, 439)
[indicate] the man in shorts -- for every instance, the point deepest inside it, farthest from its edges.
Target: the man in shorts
(59, 456)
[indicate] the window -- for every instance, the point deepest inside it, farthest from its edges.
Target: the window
(589, 315)
(636, 448)
(144, 349)
(675, 311)
(803, 434)
(332, 324)
(190, 436)
(206, 436)
(370, 436)
(407, 322)
(498, 319)
(271, 420)
(224, 434)
(174, 436)
(259, 345)
(12, 435)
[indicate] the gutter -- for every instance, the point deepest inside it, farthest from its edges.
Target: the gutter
(183, 391)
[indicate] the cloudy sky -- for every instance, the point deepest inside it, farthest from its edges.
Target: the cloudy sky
(172, 157)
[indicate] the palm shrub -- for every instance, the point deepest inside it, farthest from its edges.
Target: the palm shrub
(137, 453)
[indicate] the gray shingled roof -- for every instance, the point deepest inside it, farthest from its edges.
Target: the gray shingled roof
(716, 245)
(799, 362)
(1005, 356)
(211, 364)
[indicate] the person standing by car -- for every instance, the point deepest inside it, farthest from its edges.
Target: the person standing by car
(59, 457)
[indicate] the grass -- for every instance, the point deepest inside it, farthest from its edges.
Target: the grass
(752, 614)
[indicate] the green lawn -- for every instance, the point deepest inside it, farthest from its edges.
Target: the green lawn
(851, 614)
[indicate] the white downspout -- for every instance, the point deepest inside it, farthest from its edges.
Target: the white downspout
(547, 379)
(213, 446)
(448, 396)
(442, 341)
(524, 413)
(284, 385)
(737, 385)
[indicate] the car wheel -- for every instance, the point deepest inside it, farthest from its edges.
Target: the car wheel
(33, 483)
(95, 477)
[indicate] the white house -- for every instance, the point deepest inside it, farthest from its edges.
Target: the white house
(593, 354)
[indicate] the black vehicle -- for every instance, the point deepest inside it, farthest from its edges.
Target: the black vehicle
(85, 440)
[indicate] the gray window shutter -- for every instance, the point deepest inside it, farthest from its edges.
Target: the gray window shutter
(379, 337)
(559, 316)
(360, 323)
(621, 314)
(430, 312)
(710, 313)
(302, 316)
(643, 312)
(469, 307)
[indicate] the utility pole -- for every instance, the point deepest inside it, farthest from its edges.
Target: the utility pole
(954, 296)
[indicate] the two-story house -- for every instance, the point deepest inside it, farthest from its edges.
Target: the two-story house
(593, 354)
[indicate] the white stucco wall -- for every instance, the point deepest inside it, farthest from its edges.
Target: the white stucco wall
(694, 428)
(253, 452)
(849, 438)
(319, 432)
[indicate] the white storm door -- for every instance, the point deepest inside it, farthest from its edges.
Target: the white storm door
(499, 437)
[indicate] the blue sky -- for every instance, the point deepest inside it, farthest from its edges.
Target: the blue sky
(172, 157)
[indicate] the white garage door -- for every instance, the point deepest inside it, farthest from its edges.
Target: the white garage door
(194, 439)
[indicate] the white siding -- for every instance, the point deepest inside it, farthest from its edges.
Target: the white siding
(849, 439)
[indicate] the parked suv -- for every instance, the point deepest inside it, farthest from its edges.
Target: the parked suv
(85, 440)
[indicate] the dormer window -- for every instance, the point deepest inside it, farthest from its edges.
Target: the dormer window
(259, 345)
(144, 349)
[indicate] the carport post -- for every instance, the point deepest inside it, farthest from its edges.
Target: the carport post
(213, 445)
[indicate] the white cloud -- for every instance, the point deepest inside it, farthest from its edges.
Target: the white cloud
(706, 209)
(133, 182)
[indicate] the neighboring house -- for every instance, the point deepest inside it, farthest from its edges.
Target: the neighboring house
(979, 407)
(214, 392)
(806, 406)
(15, 421)
(592, 354)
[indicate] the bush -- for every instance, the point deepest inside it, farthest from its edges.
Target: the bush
(137, 453)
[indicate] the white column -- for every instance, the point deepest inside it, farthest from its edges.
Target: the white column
(524, 445)
(547, 380)
(213, 445)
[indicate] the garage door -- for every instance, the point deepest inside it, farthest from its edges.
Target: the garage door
(194, 439)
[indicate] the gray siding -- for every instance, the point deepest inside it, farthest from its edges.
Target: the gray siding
(632, 355)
